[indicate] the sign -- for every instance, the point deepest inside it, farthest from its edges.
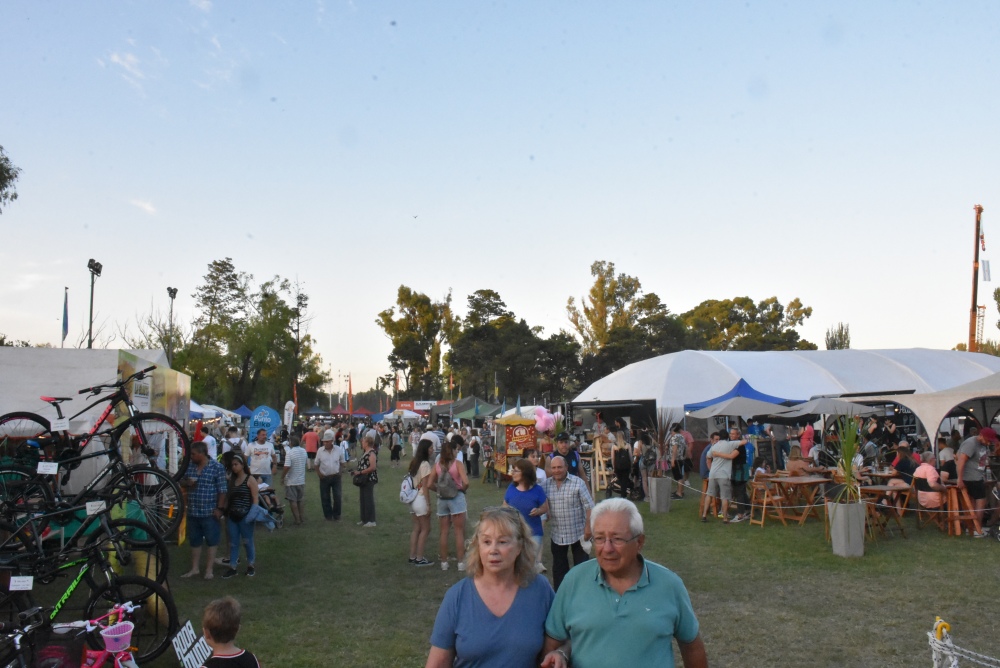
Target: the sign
(264, 417)
(141, 393)
(519, 437)
(21, 583)
(60, 424)
(48, 468)
(289, 413)
(94, 507)
(191, 650)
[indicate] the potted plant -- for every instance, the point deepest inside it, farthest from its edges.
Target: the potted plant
(660, 487)
(844, 509)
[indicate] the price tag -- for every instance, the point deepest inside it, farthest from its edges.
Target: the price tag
(60, 424)
(21, 583)
(48, 468)
(94, 507)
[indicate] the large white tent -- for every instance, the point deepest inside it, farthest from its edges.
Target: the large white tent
(697, 375)
(982, 397)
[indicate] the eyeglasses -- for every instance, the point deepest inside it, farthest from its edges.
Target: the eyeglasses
(617, 541)
(510, 510)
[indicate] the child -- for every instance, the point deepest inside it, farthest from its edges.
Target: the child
(759, 466)
(219, 625)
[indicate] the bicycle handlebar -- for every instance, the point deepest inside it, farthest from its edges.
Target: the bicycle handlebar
(96, 389)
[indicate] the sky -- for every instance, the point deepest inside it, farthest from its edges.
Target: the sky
(827, 151)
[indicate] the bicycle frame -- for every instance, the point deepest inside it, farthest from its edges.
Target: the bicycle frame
(38, 523)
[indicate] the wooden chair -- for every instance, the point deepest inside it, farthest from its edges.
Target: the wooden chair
(767, 500)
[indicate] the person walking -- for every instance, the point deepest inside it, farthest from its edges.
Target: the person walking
(294, 479)
(241, 498)
(330, 460)
(367, 467)
(569, 514)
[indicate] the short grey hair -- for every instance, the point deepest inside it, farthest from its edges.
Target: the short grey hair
(927, 457)
(618, 506)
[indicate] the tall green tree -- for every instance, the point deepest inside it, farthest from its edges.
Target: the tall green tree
(612, 302)
(8, 176)
(742, 324)
(838, 337)
(418, 327)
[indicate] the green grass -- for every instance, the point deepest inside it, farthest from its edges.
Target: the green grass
(337, 594)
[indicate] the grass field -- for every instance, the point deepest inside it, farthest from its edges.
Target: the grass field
(335, 594)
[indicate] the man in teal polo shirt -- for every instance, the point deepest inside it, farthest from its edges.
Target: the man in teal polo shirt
(621, 610)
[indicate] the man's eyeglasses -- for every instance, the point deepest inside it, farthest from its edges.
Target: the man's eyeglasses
(617, 541)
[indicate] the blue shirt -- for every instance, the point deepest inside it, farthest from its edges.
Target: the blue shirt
(526, 502)
(631, 629)
(704, 461)
(203, 498)
(480, 639)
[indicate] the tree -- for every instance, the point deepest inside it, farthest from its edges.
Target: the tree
(611, 302)
(153, 332)
(4, 341)
(485, 306)
(8, 175)
(417, 334)
(838, 337)
(741, 324)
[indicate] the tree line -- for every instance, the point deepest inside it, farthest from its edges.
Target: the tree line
(491, 353)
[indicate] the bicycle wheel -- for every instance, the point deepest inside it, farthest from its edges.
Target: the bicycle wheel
(23, 493)
(130, 547)
(156, 441)
(16, 429)
(151, 496)
(155, 620)
(18, 554)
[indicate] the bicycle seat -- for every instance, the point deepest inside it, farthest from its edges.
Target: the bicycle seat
(55, 400)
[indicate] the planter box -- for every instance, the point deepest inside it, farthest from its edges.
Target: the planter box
(660, 490)
(847, 528)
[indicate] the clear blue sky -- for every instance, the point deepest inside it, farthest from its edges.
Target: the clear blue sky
(827, 151)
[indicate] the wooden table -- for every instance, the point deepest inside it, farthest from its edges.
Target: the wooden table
(872, 493)
(800, 491)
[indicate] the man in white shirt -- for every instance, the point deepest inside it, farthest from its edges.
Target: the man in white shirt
(211, 444)
(329, 460)
(262, 458)
(294, 478)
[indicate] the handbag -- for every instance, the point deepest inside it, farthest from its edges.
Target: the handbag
(360, 480)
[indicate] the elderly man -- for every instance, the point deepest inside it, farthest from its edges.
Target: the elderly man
(622, 610)
(720, 460)
(970, 464)
(329, 460)
(205, 481)
(570, 456)
(569, 517)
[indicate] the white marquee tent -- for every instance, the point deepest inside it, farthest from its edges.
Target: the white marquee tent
(697, 375)
(981, 396)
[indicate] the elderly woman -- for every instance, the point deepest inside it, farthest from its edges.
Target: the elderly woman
(367, 468)
(496, 616)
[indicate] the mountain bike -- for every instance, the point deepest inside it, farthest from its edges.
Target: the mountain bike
(145, 439)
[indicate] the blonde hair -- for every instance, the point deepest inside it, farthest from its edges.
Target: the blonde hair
(507, 521)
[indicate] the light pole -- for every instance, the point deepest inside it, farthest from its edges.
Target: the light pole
(95, 270)
(172, 293)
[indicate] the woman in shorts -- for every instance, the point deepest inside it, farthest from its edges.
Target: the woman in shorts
(420, 508)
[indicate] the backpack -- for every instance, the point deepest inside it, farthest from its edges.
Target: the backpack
(447, 488)
(407, 492)
(649, 455)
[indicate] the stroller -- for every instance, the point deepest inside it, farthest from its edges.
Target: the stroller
(268, 500)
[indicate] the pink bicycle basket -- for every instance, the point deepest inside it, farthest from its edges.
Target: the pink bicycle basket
(117, 637)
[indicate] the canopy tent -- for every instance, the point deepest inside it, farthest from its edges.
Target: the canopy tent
(828, 406)
(480, 411)
(526, 412)
(981, 397)
(400, 414)
(316, 410)
(361, 412)
(737, 406)
(338, 410)
(243, 411)
(741, 389)
(228, 416)
(690, 376)
(199, 412)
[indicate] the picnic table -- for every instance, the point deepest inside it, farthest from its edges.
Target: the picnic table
(800, 492)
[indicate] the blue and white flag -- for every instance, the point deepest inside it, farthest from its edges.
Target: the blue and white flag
(65, 330)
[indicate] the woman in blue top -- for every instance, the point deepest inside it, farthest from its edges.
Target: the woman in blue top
(496, 616)
(528, 497)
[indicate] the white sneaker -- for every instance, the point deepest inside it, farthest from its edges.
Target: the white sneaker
(444, 565)
(461, 566)
(369, 525)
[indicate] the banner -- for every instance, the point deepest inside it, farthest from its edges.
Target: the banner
(264, 417)
(289, 413)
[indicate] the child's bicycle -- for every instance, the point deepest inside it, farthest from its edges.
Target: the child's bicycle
(27, 647)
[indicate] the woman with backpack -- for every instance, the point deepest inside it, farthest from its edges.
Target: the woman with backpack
(420, 509)
(449, 480)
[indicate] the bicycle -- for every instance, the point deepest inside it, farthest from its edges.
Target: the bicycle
(150, 439)
(116, 639)
(24, 492)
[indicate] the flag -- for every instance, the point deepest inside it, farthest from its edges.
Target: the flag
(496, 387)
(503, 409)
(350, 396)
(476, 412)
(519, 405)
(65, 330)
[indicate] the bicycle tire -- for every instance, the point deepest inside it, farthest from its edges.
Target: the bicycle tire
(156, 441)
(155, 621)
(156, 493)
(16, 548)
(132, 546)
(23, 492)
